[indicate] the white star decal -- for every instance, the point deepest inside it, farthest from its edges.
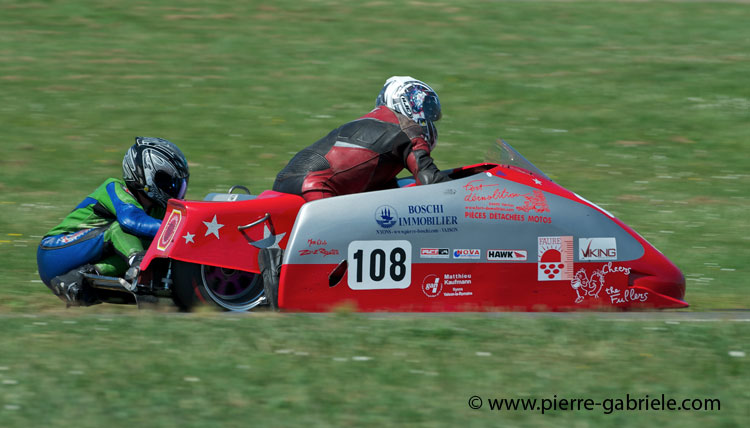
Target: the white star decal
(189, 238)
(212, 227)
(268, 241)
(536, 180)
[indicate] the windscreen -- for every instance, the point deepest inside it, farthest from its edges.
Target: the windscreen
(504, 154)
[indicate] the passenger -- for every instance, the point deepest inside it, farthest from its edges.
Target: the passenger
(366, 154)
(105, 233)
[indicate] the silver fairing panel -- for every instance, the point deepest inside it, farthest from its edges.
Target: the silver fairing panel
(456, 215)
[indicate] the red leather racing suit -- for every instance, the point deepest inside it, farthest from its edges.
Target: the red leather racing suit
(363, 155)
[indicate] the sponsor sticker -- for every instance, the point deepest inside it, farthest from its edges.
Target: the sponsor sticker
(464, 253)
(386, 216)
(487, 200)
(423, 218)
(434, 253)
(507, 255)
(555, 262)
(432, 286)
(597, 249)
(449, 285)
(175, 217)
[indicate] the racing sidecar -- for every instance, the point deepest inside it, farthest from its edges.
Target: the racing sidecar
(500, 236)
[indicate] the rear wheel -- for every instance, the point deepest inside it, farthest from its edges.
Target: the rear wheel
(229, 289)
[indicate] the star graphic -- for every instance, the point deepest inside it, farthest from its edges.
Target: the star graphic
(537, 181)
(212, 227)
(269, 240)
(189, 238)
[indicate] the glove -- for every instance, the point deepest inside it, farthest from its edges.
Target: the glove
(134, 261)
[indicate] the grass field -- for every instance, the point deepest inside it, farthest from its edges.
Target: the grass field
(295, 370)
(641, 107)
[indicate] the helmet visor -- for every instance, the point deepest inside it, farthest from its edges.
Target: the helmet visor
(175, 187)
(431, 108)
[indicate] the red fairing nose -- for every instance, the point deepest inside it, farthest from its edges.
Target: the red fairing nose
(658, 274)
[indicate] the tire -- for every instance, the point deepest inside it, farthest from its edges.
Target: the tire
(227, 289)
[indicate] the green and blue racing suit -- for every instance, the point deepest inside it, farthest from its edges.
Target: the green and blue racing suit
(105, 229)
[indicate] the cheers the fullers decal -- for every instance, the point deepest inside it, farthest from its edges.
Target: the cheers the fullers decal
(591, 285)
(555, 261)
(629, 295)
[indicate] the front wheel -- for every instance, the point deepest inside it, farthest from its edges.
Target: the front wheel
(229, 289)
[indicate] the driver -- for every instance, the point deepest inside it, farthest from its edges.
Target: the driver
(104, 234)
(363, 155)
(367, 154)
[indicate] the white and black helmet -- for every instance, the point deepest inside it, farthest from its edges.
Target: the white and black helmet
(156, 167)
(414, 99)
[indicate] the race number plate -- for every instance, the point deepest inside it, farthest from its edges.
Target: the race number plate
(379, 265)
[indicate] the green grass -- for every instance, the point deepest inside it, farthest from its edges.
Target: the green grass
(345, 370)
(641, 107)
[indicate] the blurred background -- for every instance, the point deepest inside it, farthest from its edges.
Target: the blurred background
(641, 107)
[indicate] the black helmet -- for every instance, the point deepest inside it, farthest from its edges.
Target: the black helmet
(158, 168)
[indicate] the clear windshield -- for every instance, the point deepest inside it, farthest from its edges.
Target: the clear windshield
(504, 154)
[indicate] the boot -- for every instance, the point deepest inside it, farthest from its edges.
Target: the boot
(269, 262)
(71, 289)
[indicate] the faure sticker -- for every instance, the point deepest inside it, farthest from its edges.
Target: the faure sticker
(555, 258)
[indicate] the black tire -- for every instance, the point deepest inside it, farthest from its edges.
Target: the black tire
(227, 289)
